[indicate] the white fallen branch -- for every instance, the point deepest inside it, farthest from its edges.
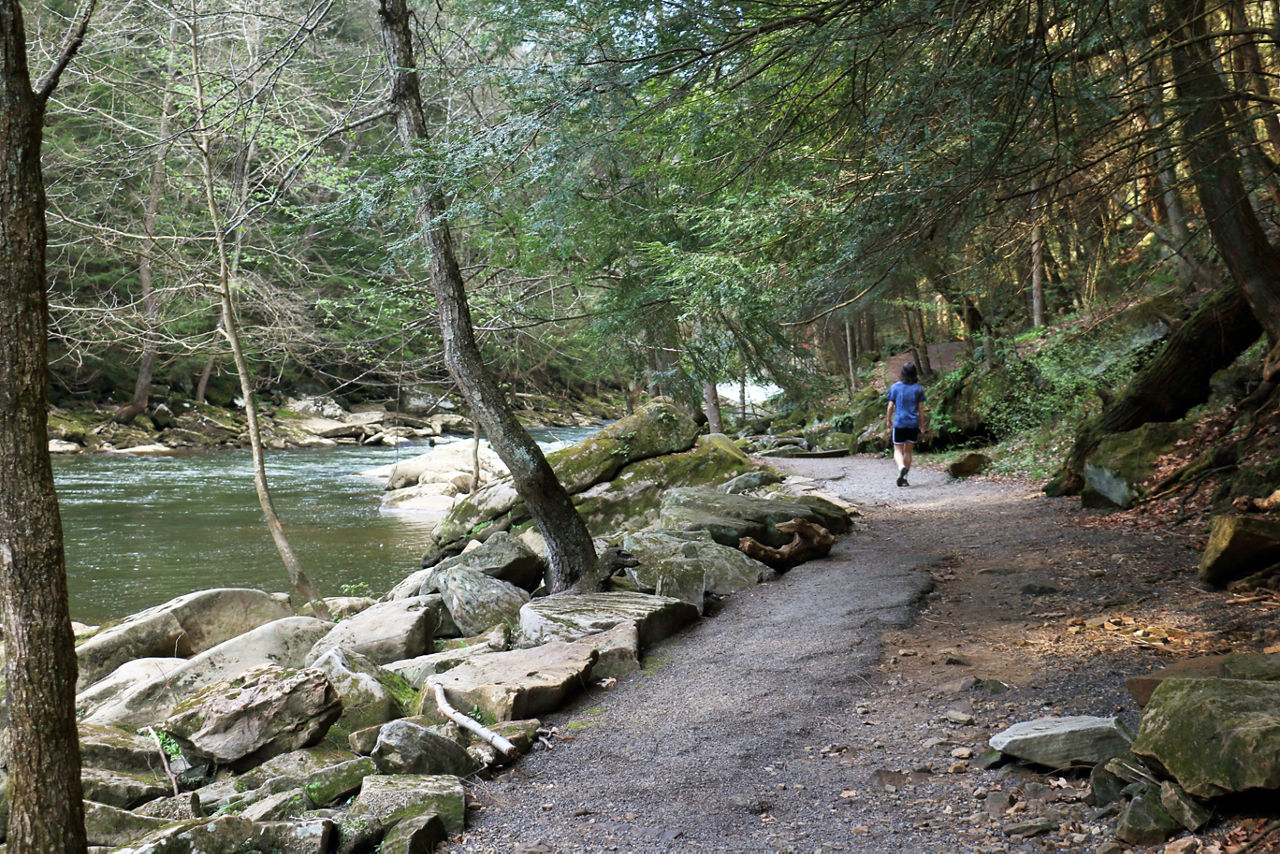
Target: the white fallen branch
(470, 724)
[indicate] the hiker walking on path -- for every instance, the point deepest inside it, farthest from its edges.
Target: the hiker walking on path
(905, 416)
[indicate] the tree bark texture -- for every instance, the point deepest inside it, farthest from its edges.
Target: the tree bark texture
(46, 811)
(1177, 378)
(570, 552)
(711, 407)
(1215, 168)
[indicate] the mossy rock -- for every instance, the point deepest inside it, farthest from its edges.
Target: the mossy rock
(1213, 736)
(1239, 545)
(654, 430)
(1121, 461)
(633, 498)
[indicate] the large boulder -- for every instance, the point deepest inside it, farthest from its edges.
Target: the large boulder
(570, 617)
(441, 464)
(1064, 742)
(114, 749)
(114, 827)
(294, 769)
(631, 499)
(181, 628)
(121, 789)
(416, 670)
(1239, 545)
(520, 683)
(501, 556)
(1235, 665)
(655, 429)
(477, 601)
(263, 713)
(387, 631)
(727, 570)
(1213, 736)
(407, 747)
(122, 679)
(285, 643)
(385, 800)
(370, 694)
(728, 518)
(675, 577)
(1121, 461)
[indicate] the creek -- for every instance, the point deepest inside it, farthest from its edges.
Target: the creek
(140, 530)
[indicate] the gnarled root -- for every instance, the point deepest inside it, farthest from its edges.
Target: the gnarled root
(809, 541)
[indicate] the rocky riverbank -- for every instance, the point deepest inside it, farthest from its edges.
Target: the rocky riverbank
(264, 727)
(312, 422)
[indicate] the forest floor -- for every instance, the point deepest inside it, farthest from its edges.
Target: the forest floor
(840, 707)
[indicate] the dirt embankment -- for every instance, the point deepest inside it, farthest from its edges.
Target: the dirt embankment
(839, 708)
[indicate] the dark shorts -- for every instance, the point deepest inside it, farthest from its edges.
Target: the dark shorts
(905, 435)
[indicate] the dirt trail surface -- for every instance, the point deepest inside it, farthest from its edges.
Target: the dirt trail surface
(837, 707)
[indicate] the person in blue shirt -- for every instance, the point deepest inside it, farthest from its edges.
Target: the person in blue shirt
(905, 416)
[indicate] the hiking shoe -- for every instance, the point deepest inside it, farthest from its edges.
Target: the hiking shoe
(902, 477)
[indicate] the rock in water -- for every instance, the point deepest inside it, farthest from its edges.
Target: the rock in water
(1214, 736)
(1063, 742)
(266, 712)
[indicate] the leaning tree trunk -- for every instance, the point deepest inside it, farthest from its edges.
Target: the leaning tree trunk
(46, 810)
(1215, 168)
(230, 331)
(1177, 378)
(570, 552)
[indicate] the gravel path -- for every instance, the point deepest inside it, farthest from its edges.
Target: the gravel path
(762, 728)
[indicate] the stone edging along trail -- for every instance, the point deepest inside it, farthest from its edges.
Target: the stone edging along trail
(842, 706)
(718, 743)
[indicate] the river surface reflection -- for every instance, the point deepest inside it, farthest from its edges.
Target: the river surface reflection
(139, 530)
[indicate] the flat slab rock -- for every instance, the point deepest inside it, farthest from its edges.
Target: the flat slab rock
(525, 683)
(1063, 742)
(568, 618)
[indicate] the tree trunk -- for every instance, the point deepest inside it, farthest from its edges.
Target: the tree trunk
(1218, 331)
(142, 386)
(230, 330)
(1037, 261)
(850, 355)
(570, 552)
(46, 808)
(202, 384)
(1215, 169)
(711, 406)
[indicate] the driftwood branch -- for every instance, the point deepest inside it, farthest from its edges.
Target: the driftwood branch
(164, 761)
(470, 724)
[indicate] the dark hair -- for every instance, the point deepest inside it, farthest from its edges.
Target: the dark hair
(909, 374)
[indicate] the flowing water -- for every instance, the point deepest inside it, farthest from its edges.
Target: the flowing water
(139, 530)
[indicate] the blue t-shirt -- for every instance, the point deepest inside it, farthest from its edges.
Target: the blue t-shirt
(906, 400)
